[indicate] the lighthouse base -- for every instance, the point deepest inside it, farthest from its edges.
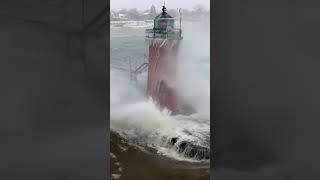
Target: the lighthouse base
(185, 110)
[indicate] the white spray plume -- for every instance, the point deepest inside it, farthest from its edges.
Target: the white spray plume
(194, 68)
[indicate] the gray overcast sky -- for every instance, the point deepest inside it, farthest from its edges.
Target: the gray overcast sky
(145, 4)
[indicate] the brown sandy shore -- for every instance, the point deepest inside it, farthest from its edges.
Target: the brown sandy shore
(130, 162)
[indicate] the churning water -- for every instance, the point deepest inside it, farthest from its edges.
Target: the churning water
(140, 129)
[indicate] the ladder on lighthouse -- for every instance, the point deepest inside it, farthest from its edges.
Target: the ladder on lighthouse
(138, 70)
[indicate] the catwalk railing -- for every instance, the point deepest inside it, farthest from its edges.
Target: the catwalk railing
(164, 34)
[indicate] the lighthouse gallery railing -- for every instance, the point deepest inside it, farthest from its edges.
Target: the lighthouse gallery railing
(163, 34)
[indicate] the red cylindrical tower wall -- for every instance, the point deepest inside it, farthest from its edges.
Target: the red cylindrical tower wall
(162, 68)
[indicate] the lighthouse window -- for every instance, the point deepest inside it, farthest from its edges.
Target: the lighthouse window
(163, 23)
(171, 23)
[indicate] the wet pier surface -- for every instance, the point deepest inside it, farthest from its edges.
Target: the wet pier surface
(139, 163)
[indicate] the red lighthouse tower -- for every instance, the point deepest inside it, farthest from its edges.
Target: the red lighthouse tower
(164, 40)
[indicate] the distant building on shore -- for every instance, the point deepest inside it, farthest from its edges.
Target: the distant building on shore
(198, 13)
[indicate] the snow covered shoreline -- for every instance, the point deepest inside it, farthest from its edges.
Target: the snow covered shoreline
(130, 24)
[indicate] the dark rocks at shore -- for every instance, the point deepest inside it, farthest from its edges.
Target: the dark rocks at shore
(190, 150)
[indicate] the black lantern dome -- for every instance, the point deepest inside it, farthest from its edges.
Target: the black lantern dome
(164, 20)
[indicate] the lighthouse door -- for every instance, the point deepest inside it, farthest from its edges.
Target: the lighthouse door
(164, 96)
(161, 94)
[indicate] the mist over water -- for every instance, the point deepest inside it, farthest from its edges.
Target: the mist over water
(194, 67)
(138, 118)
